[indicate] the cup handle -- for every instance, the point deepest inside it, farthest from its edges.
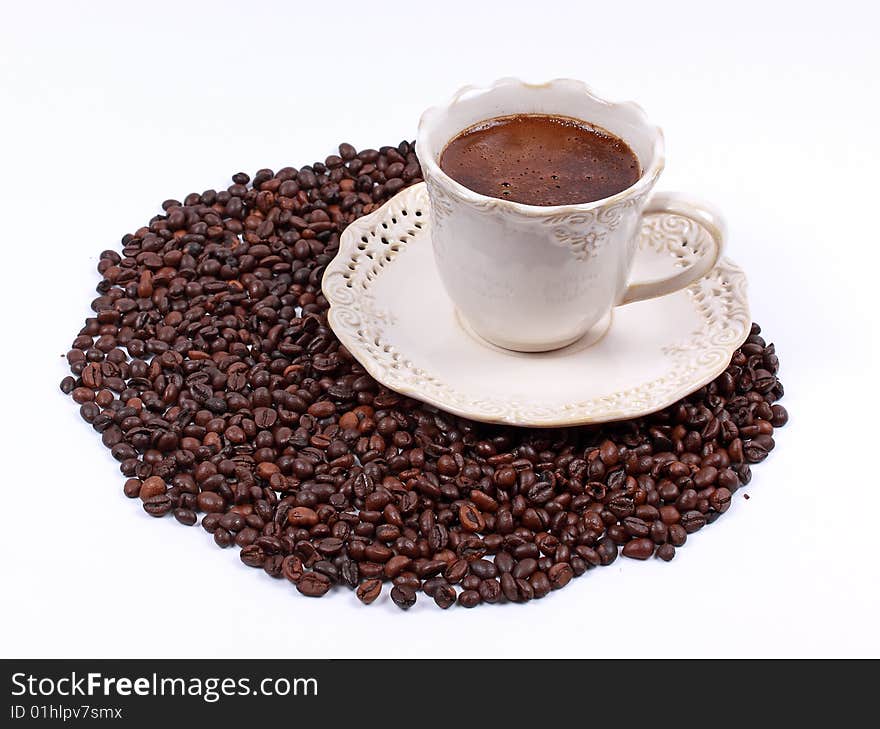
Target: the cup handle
(705, 257)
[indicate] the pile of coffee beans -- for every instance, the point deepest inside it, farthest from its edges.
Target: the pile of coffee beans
(212, 376)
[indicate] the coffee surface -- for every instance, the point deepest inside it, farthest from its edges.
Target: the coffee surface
(539, 159)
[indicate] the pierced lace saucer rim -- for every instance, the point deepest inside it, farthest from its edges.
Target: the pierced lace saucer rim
(356, 238)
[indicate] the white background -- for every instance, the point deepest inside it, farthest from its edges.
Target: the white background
(769, 111)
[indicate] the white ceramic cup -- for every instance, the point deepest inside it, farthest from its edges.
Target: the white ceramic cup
(534, 278)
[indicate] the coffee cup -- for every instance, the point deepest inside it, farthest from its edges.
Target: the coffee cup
(533, 278)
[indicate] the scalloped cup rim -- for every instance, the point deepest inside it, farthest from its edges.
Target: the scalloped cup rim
(646, 180)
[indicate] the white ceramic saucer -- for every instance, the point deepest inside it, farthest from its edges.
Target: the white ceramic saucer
(391, 312)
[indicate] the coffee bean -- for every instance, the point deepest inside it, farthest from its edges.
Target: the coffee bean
(408, 579)
(471, 582)
(755, 452)
(504, 562)
(349, 572)
(525, 568)
(302, 516)
(396, 565)
(185, 516)
(677, 535)
(490, 591)
(456, 571)
(659, 532)
(132, 488)
(638, 548)
(403, 596)
(330, 545)
(720, 500)
(471, 518)
(560, 574)
(378, 552)
(444, 596)
(508, 587)
(292, 568)
(158, 505)
(252, 555)
(369, 590)
(636, 527)
(431, 584)
(326, 568)
(607, 551)
(153, 486)
(693, 521)
(779, 416)
(313, 584)
(273, 565)
(540, 584)
(210, 502)
(469, 598)
(484, 569)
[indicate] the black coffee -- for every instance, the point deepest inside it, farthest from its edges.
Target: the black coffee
(539, 159)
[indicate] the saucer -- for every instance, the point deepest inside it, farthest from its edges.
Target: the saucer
(390, 310)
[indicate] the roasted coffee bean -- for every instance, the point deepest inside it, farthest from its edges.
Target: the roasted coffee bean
(329, 546)
(211, 373)
(540, 584)
(560, 574)
(349, 572)
(677, 535)
(252, 555)
(755, 452)
(396, 565)
(636, 527)
(302, 516)
(292, 568)
(484, 569)
(431, 584)
(328, 569)
(313, 584)
(456, 571)
(185, 516)
(132, 488)
(153, 486)
(369, 590)
(490, 591)
(273, 565)
(408, 579)
(779, 416)
(403, 596)
(693, 521)
(158, 505)
(720, 500)
(638, 548)
(508, 587)
(471, 582)
(504, 562)
(525, 568)
(659, 532)
(607, 551)
(210, 502)
(471, 518)
(444, 596)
